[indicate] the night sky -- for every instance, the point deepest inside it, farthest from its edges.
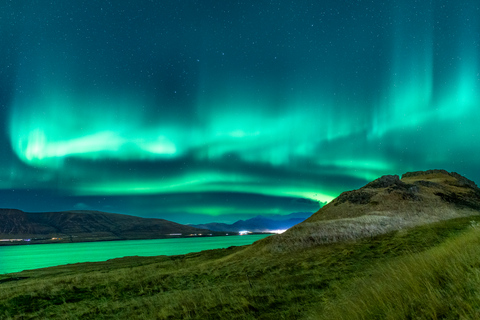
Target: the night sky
(209, 110)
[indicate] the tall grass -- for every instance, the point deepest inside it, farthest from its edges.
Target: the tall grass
(441, 283)
(319, 232)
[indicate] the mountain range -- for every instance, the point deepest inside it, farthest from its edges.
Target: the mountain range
(257, 224)
(79, 226)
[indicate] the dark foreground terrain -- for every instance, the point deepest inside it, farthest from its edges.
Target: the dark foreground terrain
(428, 272)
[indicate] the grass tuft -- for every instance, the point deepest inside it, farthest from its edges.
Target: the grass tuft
(441, 283)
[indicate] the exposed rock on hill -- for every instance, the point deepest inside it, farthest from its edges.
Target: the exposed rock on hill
(77, 226)
(385, 204)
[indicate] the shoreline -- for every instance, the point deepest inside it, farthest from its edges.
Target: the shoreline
(128, 254)
(34, 241)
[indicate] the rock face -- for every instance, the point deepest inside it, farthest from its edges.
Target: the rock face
(77, 226)
(385, 181)
(385, 204)
(461, 181)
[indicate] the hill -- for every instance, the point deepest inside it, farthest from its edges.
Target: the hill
(79, 226)
(384, 205)
(256, 224)
(426, 270)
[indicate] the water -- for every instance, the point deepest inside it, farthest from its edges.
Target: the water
(25, 257)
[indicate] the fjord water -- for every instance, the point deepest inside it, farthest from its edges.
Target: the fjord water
(26, 257)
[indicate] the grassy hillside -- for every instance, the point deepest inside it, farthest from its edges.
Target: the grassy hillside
(441, 283)
(385, 205)
(426, 272)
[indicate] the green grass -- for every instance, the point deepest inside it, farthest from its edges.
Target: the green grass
(440, 283)
(427, 272)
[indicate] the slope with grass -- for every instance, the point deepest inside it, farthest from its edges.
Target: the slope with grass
(235, 284)
(385, 205)
(441, 283)
(427, 271)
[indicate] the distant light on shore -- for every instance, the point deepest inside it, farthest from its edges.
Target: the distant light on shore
(245, 232)
(278, 231)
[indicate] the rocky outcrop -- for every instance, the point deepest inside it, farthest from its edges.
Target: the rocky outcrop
(385, 181)
(424, 173)
(384, 205)
(460, 180)
(355, 197)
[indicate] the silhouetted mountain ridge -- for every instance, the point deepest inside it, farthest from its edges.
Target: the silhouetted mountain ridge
(255, 224)
(80, 226)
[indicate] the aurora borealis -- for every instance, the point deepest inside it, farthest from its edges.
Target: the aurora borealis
(218, 110)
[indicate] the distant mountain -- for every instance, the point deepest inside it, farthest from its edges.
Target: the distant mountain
(256, 224)
(279, 217)
(383, 205)
(79, 226)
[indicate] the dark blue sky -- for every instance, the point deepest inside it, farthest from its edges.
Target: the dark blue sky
(219, 110)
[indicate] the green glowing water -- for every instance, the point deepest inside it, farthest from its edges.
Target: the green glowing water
(25, 257)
